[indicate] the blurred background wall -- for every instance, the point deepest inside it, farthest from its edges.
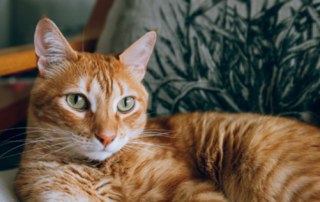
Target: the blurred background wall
(18, 18)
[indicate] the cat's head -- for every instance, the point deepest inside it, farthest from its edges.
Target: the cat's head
(92, 102)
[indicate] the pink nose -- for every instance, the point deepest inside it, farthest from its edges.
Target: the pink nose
(106, 137)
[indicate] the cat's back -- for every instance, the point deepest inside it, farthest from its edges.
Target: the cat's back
(253, 157)
(270, 159)
(284, 159)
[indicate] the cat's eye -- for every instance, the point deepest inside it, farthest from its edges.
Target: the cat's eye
(126, 104)
(77, 101)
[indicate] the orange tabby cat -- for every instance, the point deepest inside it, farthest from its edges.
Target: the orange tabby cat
(88, 139)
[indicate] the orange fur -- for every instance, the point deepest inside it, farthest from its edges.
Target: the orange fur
(187, 157)
(251, 157)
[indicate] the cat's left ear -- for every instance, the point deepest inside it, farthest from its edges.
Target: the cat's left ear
(51, 47)
(136, 57)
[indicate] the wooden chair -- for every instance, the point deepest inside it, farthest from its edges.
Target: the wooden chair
(17, 59)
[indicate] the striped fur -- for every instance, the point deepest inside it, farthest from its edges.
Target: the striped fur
(251, 157)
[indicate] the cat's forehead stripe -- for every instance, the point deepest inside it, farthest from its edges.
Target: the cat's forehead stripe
(104, 79)
(120, 87)
(82, 83)
(125, 88)
(116, 87)
(89, 81)
(95, 92)
(92, 89)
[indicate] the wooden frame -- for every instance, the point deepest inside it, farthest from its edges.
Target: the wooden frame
(22, 58)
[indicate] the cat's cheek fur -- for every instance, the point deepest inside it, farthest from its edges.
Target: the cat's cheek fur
(137, 129)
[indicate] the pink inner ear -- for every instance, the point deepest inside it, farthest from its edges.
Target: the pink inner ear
(138, 54)
(40, 50)
(39, 44)
(50, 45)
(44, 26)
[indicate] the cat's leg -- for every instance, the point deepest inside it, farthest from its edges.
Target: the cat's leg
(51, 182)
(199, 191)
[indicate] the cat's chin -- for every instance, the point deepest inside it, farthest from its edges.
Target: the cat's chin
(99, 155)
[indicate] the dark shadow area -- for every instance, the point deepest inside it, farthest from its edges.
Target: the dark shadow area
(11, 146)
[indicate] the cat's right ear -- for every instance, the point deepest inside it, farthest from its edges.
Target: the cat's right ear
(51, 47)
(136, 57)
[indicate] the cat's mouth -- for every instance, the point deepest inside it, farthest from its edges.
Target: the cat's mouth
(104, 149)
(94, 150)
(100, 152)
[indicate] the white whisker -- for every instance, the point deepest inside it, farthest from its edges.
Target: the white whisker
(141, 148)
(150, 144)
(55, 151)
(2, 156)
(34, 140)
(35, 131)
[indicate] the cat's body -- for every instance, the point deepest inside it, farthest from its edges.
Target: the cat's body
(87, 139)
(139, 172)
(250, 157)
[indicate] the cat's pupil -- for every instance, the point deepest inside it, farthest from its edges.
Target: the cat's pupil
(126, 102)
(75, 99)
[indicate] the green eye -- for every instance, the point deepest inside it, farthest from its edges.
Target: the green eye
(126, 104)
(77, 101)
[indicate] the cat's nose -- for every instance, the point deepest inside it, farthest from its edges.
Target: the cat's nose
(106, 137)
